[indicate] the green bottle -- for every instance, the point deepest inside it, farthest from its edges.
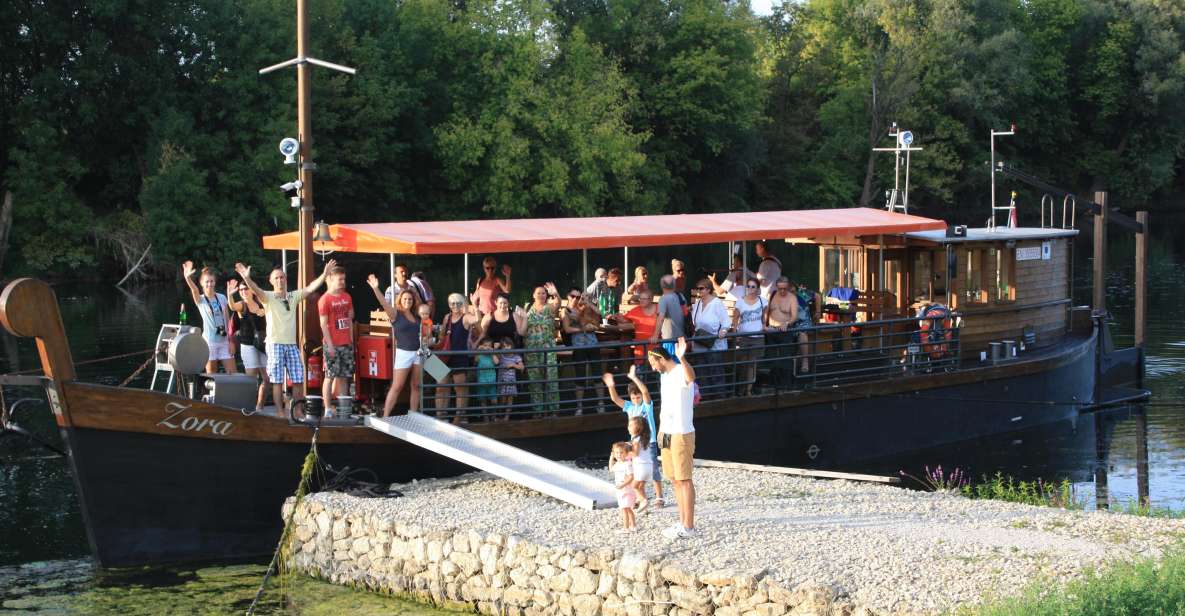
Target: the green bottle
(184, 318)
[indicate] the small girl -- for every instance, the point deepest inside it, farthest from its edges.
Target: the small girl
(643, 462)
(487, 364)
(509, 365)
(623, 479)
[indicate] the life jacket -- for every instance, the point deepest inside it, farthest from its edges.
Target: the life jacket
(935, 331)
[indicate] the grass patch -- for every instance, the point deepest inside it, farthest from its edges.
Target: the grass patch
(1129, 589)
(1038, 492)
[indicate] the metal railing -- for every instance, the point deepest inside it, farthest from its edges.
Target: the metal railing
(567, 380)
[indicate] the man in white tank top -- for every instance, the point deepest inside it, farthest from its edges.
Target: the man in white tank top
(676, 434)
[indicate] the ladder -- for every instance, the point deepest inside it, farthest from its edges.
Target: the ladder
(511, 463)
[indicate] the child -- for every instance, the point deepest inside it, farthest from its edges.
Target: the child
(623, 479)
(643, 464)
(424, 311)
(640, 405)
(509, 365)
(487, 365)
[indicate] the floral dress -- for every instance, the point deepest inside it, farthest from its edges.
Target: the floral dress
(542, 367)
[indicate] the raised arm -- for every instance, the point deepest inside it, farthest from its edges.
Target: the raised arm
(245, 272)
(680, 353)
(504, 283)
(612, 387)
(553, 295)
(633, 376)
(316, 284)
(520, 320)
(717, 288)
(373, 281)
(232, 287)
(187, 273)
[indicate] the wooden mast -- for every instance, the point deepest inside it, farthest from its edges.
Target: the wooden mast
(306, 319)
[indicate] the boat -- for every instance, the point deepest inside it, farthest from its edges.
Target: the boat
(165, 477)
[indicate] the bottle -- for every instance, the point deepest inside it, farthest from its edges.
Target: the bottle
(183, 318)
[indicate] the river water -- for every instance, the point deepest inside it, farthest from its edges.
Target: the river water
(1109, 457)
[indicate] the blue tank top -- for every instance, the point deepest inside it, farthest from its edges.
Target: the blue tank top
(407, 333)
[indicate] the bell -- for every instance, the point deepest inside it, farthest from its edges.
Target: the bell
(322, 233)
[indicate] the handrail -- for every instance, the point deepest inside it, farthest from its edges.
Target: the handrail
(1048, 197)
(567, 379)
(1072, 201)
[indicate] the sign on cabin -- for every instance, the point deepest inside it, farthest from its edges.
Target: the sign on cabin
(1029, 253)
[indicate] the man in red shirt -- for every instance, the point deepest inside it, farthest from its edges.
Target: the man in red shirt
(337, 334)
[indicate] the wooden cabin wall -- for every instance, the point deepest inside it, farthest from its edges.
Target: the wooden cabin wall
(1037, 282)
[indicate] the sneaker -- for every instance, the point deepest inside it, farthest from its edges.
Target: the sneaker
(641, 506)
(678, 532)
(658, 503)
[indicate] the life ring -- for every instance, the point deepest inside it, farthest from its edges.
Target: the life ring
(935, 331)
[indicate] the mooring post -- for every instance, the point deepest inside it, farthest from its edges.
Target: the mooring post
(1141, 279)
(1099, 303)
(1142, 491)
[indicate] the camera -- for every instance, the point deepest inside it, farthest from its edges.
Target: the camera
(220, 330)
(289, 147)
(292, 189)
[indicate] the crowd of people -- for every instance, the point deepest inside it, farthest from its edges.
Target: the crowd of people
(488, 345)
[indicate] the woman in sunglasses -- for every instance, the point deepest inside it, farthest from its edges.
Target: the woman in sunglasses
(580, 321)
(711, 322)
(457, 334)
(490, 286)
(749, 319)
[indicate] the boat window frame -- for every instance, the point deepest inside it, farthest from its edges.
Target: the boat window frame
(973, 290)
(1004, 289)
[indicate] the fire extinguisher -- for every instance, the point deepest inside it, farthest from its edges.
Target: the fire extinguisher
(315, 372)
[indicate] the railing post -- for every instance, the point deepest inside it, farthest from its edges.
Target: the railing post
(1141, 279)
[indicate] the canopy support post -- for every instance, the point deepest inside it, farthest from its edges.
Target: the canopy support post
(465, 274)
(744, 262)
(880, 270)
(284, 261)
(391, 269)
(584, 265)
(625, 272)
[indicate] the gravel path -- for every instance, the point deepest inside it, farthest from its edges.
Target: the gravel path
(885, 547)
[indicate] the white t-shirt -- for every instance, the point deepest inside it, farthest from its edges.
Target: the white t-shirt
(711, 318)
(751, 315)
(674, 404)
(768, 273)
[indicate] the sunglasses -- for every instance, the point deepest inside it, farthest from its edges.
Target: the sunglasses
(679, 271)
(489, 267)
(699, 288)
(285, 302)
(574, 296)
(750, 286)
(456, 303)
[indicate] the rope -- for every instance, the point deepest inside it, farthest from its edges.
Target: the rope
(284, 549)
(151, 357)
(89, 361)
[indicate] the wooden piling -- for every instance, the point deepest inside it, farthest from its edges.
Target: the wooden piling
(1141, 278)
(1099, 303)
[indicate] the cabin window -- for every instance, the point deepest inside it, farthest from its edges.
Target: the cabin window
(1005, 264)
(921, 274)
(841, 267)
(973, 287)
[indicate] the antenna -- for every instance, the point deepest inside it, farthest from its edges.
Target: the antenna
(304, 127)
(998, 133)
(897, 199)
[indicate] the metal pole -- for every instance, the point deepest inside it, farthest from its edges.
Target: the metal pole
(993, 163)
(391, 268)
(905, 195)
(584, 265)
(304, 126)
(1100, 254)
(744, 261)
(1141, 278)
(625, 273)
(465, 274)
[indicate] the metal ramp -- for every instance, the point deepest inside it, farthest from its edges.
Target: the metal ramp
(511, 463)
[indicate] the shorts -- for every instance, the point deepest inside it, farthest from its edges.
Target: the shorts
(220, 350)
(253, 358)
(340, 365)
(626, 498)
(406, 359)
(283, 358)
(677, 459)
(643, 466)
(655, 464)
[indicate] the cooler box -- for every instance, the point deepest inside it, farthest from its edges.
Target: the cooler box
(373, 357)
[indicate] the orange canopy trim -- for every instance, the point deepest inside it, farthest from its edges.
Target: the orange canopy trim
(445, 237)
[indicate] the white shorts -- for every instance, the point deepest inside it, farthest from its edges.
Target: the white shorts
(253, 358)
(406, 359)
(220, 351)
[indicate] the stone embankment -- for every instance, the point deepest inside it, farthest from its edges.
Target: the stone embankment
(768, 545)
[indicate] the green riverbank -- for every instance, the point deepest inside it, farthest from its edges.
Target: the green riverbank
(74, 587)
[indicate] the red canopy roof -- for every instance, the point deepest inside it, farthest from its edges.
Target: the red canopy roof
(541, 234)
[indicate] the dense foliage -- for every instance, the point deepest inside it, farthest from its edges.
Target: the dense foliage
(125, 123)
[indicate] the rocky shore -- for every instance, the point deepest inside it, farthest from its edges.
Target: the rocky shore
(767, 545)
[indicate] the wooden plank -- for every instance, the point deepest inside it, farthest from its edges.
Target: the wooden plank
(801, 472)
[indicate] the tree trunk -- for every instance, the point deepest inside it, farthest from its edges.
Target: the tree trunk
(5, 226)
(873, 132)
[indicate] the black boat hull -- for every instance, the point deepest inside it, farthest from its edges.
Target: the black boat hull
(152, 498)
